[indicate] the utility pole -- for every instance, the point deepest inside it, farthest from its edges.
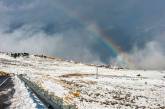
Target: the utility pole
(97, 72)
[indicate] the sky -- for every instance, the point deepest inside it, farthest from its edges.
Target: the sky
(89, 31)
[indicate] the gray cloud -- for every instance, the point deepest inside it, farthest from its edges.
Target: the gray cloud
(150, 57)
(66, 44)
(61, 28)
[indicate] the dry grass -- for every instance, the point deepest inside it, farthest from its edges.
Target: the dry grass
(75, 75)
(4, 74)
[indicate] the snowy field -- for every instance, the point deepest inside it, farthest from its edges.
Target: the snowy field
(79, 84)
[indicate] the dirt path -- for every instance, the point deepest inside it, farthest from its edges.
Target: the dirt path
(6, 91)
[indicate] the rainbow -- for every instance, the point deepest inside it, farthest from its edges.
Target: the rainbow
(99, 34)
(102, 36)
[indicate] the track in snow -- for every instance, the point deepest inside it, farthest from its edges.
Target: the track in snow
(6, 91)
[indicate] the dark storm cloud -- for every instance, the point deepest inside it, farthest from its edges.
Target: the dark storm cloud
(61, 28)
(134, 21)
(43, 27)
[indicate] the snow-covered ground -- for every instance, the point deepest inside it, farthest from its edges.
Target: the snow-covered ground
(78, 83)
(21, 98)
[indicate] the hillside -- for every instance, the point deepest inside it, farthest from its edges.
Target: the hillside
(84, 86)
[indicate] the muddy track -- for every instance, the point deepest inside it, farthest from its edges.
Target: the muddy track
(6, 91)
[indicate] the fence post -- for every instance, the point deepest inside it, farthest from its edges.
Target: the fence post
(97, 72)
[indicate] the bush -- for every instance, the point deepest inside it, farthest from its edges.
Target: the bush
(15, 55)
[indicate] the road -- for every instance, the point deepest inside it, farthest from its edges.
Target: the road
(6, 83)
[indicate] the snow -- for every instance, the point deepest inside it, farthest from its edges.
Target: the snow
(57, 89)
(77, 82)
(21, 98)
